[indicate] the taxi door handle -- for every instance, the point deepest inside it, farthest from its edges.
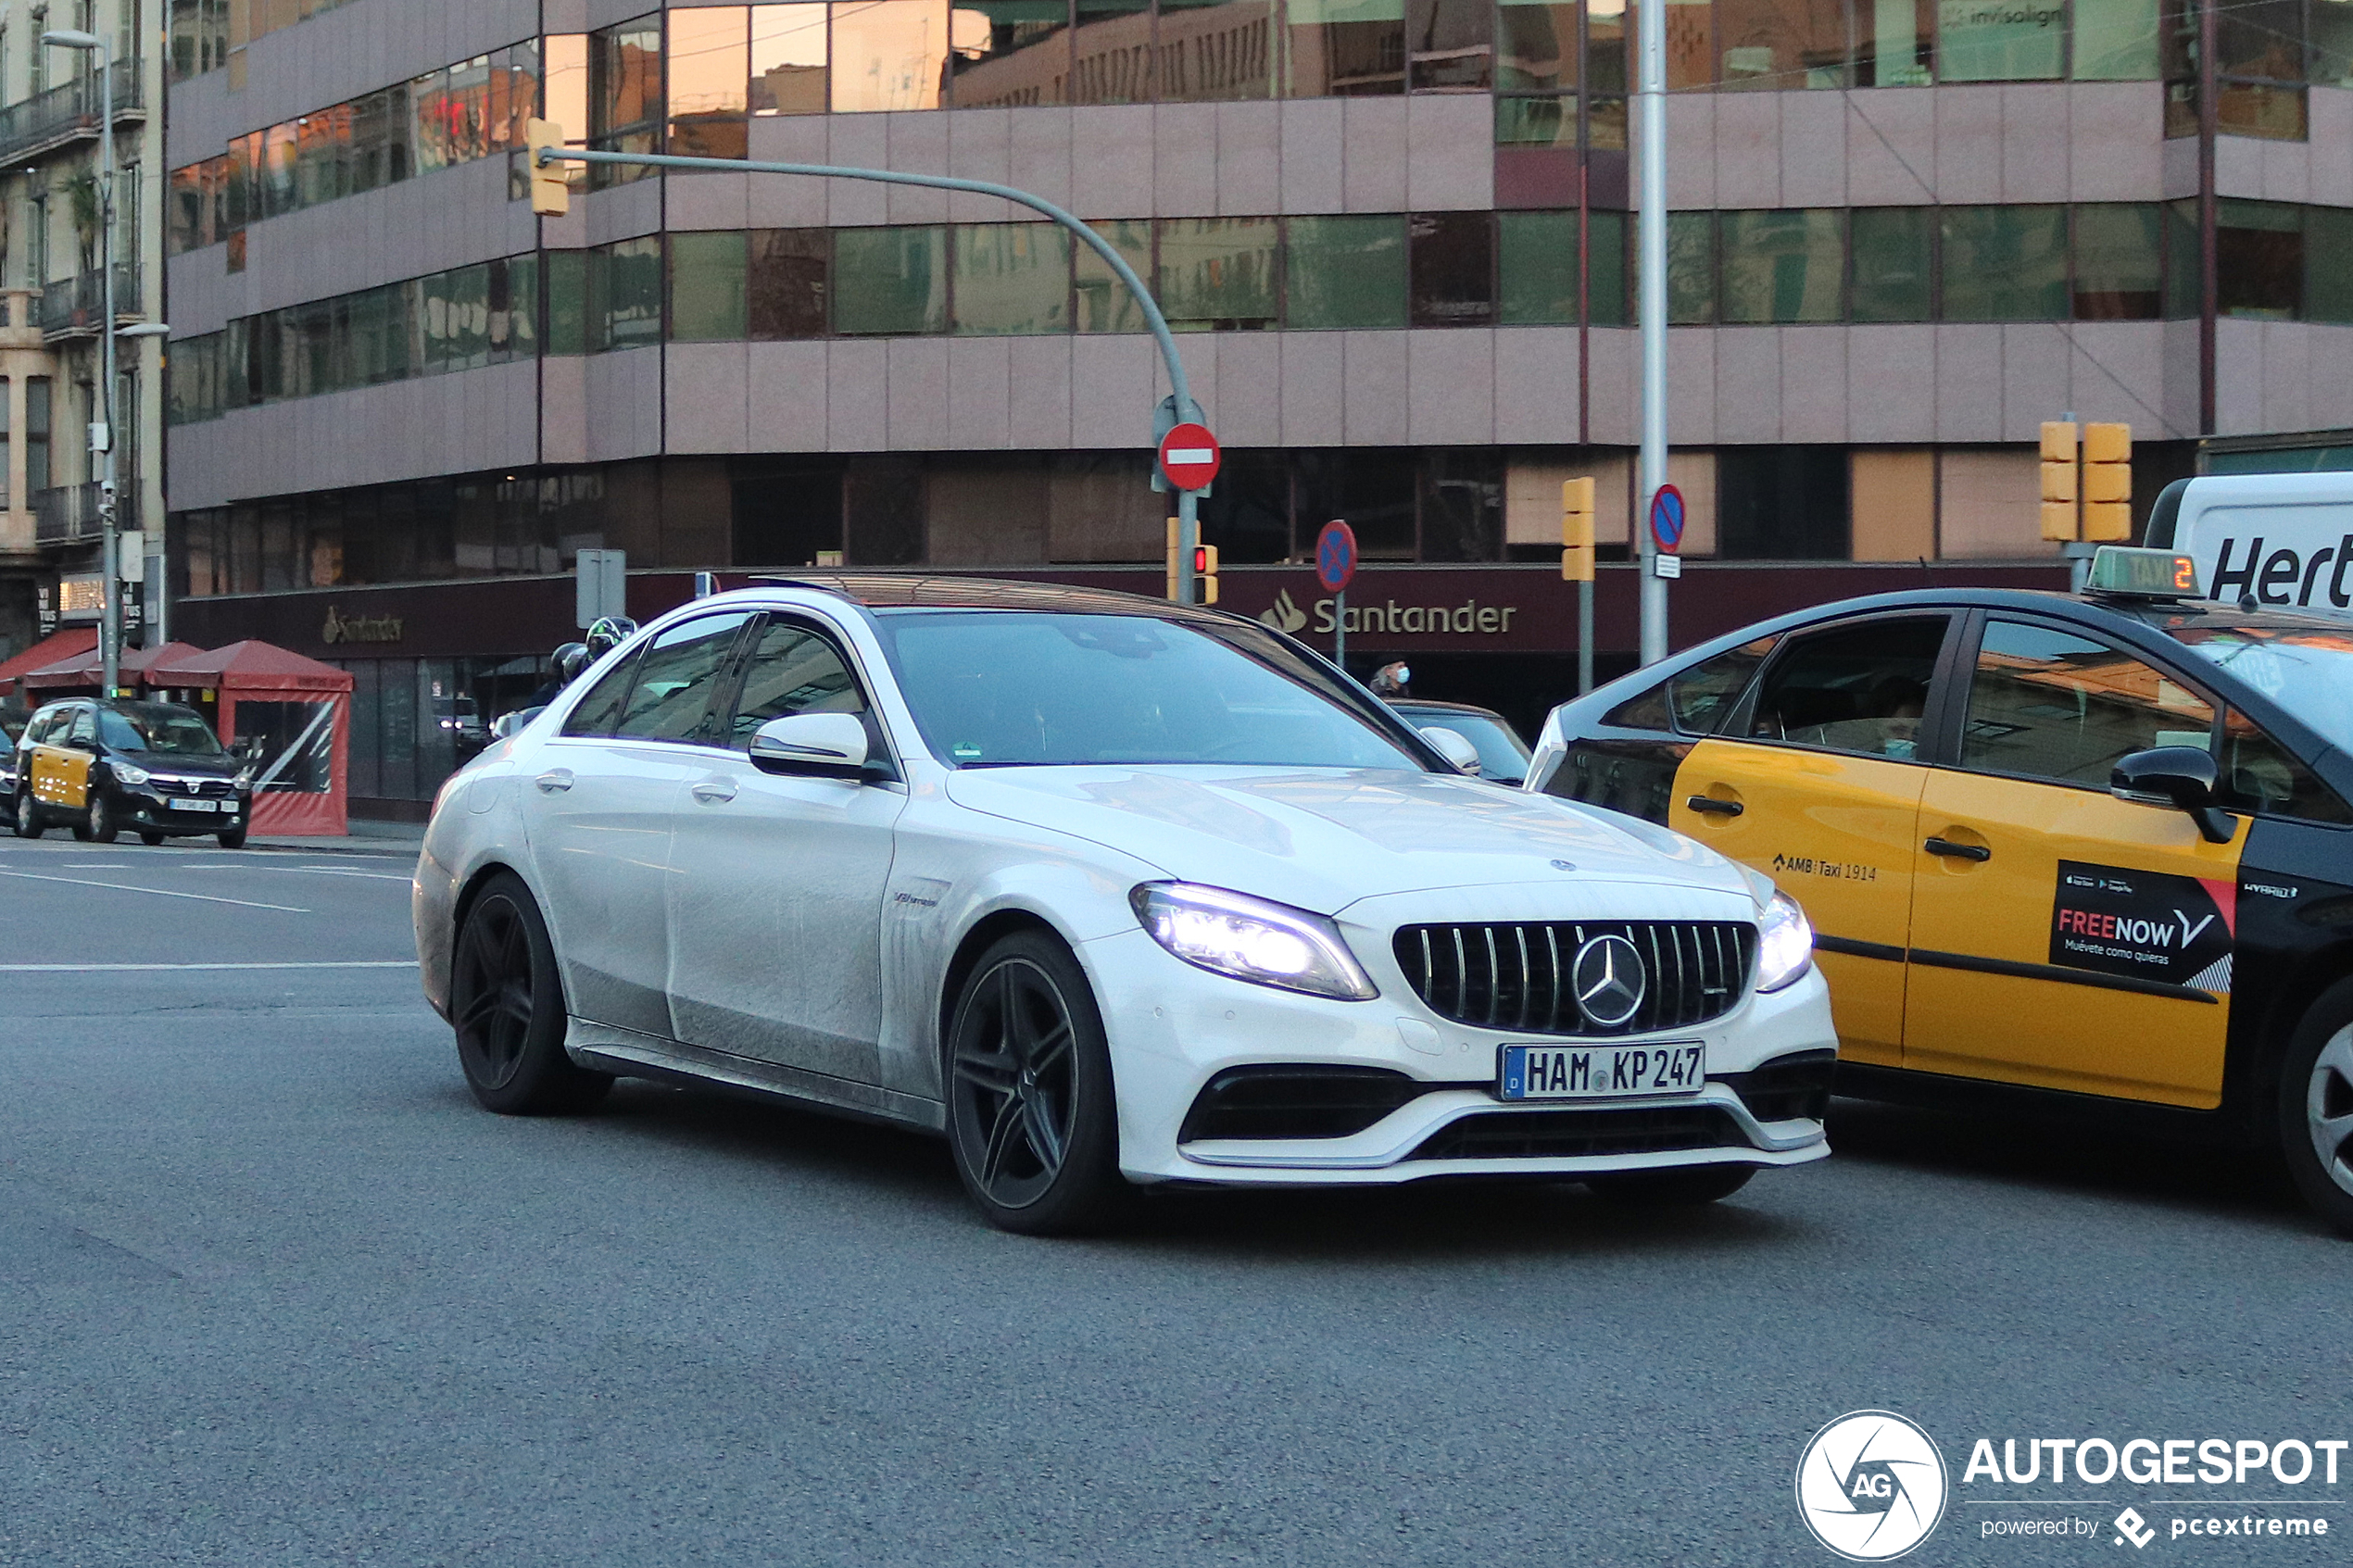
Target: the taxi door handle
(1946, 848)
(714, 792)
(554, 781)
(1714, 807)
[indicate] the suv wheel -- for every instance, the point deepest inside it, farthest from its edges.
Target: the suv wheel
(28, 824)
(99, 827)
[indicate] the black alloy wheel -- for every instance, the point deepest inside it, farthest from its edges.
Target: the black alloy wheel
(99, 826)
(28, 824)
(1031, 1114)
(505, 1002)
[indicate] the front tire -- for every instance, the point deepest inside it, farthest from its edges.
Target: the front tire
(2316, 1107)
(29, 822)
(1687, 1186)
(149, 837)
(99, 827)
(232, 839)
(1031, 1116)
(507, 1004)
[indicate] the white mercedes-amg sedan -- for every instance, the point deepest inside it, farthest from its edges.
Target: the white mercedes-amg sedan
(1112, 893)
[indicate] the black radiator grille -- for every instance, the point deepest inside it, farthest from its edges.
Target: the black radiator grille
(1552, 1134)
(1518, 976)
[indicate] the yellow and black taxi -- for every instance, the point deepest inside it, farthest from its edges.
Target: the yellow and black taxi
(155, 768)
(2088, 849)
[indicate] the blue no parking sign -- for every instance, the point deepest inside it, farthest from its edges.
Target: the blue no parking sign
(1667, 517)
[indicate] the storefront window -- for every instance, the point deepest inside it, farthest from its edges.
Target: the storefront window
(890, 279)
(1218, 273)
(1344, 272)
(1344, 48)
(1011, 277)
(789, 58)
(1781, 503)
(2259, 260)
(2118, 263)
(1782, 265)
(887, 54)
(1894, 247)
(1010, 53)
(706, 287)
(1106, 304)
(2005, 263)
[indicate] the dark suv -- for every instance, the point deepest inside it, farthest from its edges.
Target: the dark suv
(153, 767)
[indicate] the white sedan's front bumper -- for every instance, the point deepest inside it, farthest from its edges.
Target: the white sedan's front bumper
(1173, 1028)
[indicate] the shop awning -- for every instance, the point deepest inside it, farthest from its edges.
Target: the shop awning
(247, 666)
(86, 667)
(68, 644)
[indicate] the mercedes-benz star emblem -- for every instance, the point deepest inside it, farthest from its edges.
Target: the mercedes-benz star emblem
(1608, 979)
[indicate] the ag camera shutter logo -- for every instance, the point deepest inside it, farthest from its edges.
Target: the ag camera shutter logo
(1871, 1485)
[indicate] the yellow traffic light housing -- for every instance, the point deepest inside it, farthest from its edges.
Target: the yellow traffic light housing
(551, 187)
(1206, 573)
(2059, 488)
(1576, 530)
(2107, 484)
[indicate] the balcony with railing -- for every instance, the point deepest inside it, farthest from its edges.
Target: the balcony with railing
(68, 113)
(75, 307)
(69, 514)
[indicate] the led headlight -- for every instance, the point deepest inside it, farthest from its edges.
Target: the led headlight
(1251, 939)
(125, 773)
(1785, 943)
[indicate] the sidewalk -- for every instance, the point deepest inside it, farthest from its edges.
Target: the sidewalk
(387, 839)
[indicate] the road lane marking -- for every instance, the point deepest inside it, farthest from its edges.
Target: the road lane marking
(320, 871)
(158, 891)
(93, 968)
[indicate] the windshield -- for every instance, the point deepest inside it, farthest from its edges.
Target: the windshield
(2306, 671)
(1503, 755)
(1011, 688)
(179, 732)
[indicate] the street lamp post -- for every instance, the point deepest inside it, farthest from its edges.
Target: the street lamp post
(111, 543)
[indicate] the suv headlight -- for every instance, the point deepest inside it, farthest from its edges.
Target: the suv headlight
(1251, 939)
(125, 773)
(1785, 943)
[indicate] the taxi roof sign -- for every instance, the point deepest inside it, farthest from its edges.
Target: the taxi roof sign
(2141, 575)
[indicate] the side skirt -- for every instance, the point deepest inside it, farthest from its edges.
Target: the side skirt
(625, 1053)
(1938, 1091)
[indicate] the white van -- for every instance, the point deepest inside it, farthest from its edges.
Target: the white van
(2274, 538)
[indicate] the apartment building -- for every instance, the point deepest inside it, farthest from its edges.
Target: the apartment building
(1393, 235)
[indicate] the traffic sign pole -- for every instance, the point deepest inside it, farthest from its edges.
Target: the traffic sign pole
(1650, 137)
(1188, 538)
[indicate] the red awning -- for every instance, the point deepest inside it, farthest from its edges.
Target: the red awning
(68, 644)
(84, 669)
(247, 666)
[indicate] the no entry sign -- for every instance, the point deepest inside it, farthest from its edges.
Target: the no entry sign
(1336, 556)
(1188, 457)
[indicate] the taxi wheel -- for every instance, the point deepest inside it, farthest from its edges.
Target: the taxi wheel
(1668, 1189)
(2316, 1107)
(234, 839)
(28, 824)
(507, 1002)
(150, 839)
(98, 827)
(1031, 1115)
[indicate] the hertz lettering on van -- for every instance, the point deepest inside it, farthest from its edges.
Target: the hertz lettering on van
(2282, 575)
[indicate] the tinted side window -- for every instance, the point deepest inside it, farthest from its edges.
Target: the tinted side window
(2259, 774)
(1860, 689)
(677, 676)
(599, 711)
(792, 669)
(1697, 701)
(2050, 705)
(85, 727)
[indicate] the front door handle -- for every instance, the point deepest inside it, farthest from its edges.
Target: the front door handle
(1951, 850)
(1714, 807)
(714, 792)
(555, 781)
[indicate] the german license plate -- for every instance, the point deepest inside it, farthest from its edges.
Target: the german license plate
(1678, 1067)
(196, 805)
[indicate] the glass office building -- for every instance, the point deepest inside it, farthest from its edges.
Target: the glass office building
(1393, 234)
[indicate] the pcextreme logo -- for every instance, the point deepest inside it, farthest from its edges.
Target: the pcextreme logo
(1871, 1485)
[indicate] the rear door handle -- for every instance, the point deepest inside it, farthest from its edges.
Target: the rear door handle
(714, 792)
(555, 781)
(1946, 848)
(1714, 807)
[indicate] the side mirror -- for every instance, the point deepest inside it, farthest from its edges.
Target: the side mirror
(511, 724)
(824, 746)
(2180, 776)
(1454, 746)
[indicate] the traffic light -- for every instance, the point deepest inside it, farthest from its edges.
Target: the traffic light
(2107, 484)
(1576, 530)
(550, 189)
(1205, 574)
(1175, 562)
(2059, 481)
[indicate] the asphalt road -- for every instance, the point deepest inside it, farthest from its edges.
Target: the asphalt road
(272, 1291)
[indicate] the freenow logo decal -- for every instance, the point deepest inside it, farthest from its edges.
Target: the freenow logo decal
(1871, 1485)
